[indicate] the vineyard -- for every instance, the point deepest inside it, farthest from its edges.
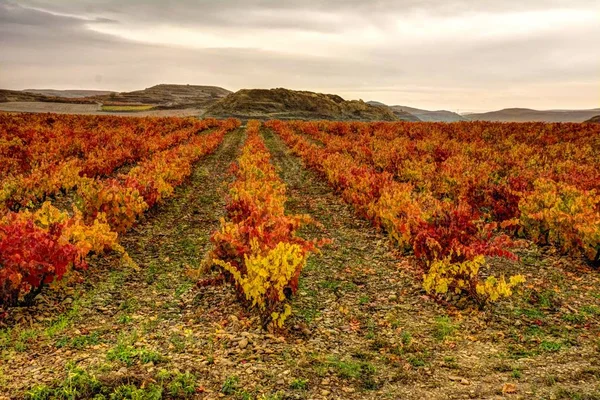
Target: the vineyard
(48, 155)
(183, 258)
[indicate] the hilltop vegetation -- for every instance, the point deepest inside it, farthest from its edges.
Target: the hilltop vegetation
(594, 119)
(292, 104)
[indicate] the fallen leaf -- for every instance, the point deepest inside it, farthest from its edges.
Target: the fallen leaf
(509, 388)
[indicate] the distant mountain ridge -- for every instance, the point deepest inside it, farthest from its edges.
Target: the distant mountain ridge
(71, 94)
(18, 96)
(425, 115)
(170, 96)
(401, 114)
(433, 116)
(163, 96)
(278, 103)
(530, 115)
(283, 103)
(595, 119)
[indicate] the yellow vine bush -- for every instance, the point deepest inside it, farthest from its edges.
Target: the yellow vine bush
(445, 276)
(564, 216)
(96, 237)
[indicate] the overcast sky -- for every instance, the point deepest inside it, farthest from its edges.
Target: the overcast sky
(463, 55)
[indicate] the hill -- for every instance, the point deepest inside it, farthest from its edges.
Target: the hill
(400, 114)
(16, 95)
(529, 115)
(169, 96)
(432, 116)
(12, 96)
(291, 104)
(162, 96)
(595, 119)
(70, 94)
(425, 115)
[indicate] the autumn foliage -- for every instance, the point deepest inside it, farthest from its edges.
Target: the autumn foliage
(450, 193)
(39, 247)
(256, 246)
(45, 154)
(124, 198)
(454, 193)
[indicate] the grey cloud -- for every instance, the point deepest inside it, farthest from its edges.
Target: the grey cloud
(82, 54)
(55, 47)
(16, 14)
(287, 13)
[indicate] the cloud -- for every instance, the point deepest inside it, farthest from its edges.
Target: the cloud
(436, 54)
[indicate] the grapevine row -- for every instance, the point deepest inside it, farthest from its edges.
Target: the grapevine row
(37, 248)
(256, 247)
(124, 198)
(447, 237)
(566, 153)
(29, 140)
(546, 190)
(95, 153)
